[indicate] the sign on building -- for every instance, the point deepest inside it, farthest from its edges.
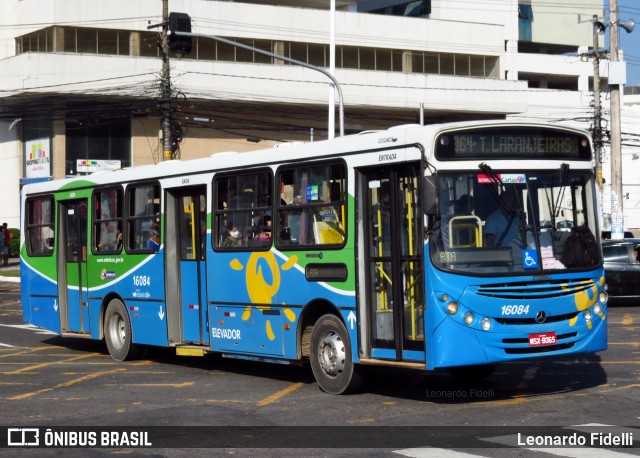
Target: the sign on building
(97, 165)
(37, 158)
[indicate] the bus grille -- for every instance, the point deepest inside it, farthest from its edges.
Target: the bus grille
(526, 350)
(549, 319)
(535, 290)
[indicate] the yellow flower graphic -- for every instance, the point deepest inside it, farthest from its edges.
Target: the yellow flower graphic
(261, 291)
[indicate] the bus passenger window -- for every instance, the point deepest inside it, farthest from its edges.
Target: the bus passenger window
(40, 236)
(242, 214)
(144, 205)
(312, 205)
(108, 220)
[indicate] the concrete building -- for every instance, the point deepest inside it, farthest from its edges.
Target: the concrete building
(80, 81)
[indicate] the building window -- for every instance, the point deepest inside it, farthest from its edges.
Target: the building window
(97, 138)
(145, 44)
(525, 18)
(415, 8)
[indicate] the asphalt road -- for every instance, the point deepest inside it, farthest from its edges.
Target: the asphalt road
(244, 408)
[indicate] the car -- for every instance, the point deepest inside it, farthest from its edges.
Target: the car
(622, 270)
(606, 235)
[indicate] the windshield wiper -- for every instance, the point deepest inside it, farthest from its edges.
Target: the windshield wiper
(555, 209)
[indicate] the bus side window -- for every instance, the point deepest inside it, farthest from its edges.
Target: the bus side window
(40, 236)
(142, 218)
(312, 205)
(108, 220)
(243, 206)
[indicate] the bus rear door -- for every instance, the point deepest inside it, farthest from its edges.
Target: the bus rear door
(393, 257)
(72, 267)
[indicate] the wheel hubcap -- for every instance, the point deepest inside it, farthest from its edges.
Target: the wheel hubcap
(118, 330)
(331, 354)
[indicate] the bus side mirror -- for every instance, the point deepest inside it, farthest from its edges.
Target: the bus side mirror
(429, 195)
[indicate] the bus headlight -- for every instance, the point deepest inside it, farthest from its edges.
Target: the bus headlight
(452, 308)
(485, 323)
(468, 318)
(597, 309)
(587, 315)
(444, 297)
(603, 297)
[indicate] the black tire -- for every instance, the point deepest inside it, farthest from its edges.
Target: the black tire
(331, 359)
(472, 373)
(117, 332)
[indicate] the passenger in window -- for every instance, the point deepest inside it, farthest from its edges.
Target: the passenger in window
(265, 229)
(118, 239)
(233, 237)
(154, 240)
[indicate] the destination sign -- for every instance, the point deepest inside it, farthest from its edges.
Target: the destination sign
(512, 143)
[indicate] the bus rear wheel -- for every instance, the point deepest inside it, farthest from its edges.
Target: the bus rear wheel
(331, 360)
(117, 332)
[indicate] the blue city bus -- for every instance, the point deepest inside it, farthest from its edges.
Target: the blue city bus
(455, 246)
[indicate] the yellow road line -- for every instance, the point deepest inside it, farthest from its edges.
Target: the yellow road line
(23, 351)
(172, 385)
(274, 397)
(52, 363)
(64, 384)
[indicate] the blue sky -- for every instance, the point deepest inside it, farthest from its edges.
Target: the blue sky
(629, 42)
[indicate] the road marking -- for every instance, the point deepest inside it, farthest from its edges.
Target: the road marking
(627, 320)
(274, 397)
(171, 385)
(432, 452)
(64, 384)
(52, 363)
(30, 327)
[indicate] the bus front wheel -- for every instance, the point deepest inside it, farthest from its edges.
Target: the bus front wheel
(117, 331)
(331, 359)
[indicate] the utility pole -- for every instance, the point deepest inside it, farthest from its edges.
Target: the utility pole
(617, 213)
(597, 117)
(165, 86)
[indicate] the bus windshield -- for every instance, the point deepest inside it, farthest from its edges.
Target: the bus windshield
(515, 222)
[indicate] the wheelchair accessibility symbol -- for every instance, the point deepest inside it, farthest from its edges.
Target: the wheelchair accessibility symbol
(530, 259)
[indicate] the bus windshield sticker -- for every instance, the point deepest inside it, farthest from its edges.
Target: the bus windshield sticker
(506, 178)
(530, 259)
(312, 192)
(515, 178)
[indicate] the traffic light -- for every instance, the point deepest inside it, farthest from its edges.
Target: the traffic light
(179, 44)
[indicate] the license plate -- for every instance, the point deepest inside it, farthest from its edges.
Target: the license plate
(542, 339)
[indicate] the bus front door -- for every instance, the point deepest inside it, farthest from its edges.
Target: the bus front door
(395, 272)
(185, 245)
(72, 267)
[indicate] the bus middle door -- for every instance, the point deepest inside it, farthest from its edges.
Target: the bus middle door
(187, 307)
(73, 281)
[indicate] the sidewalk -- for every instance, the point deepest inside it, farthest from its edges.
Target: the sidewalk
(14, 263)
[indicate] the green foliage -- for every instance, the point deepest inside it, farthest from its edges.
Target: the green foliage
(14, 243)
